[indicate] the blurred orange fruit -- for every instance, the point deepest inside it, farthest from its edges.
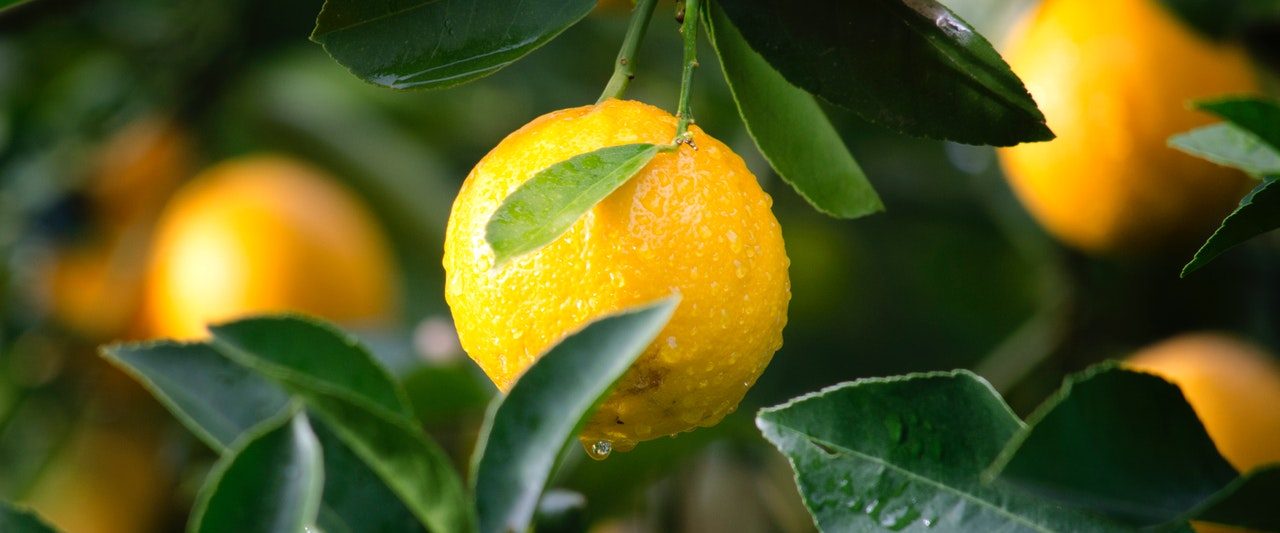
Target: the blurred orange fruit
(1114, 80)
(693, 222)
(266, 234)
(1234, 387)
(94, 284)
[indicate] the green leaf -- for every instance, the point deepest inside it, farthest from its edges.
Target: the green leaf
(1258, 213)
(14, 519)
(1254, 115)
(271, 481)
(1118, 442)
(907, 453)
(1228, 145)
(1249, 502)
(297, 348)
(816, 164)
(548, 405)
(1222, 19)
(214, 398)
(388, 442)
(547, 205)
(220, 401)
(351, 489)
(909, 65)
(428, 44)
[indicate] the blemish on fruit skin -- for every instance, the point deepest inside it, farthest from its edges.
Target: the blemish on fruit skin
(631, 250)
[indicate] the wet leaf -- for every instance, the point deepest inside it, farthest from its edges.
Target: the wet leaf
(816, 163)
(269, 482)
(908, 65)
(428, 44)
(1128, 445)
(547, 205)
(907, 453)
(548, 405)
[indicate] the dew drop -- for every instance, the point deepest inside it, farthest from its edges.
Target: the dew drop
(599, 450)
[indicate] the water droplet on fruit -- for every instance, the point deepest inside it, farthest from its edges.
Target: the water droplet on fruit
(600, 450)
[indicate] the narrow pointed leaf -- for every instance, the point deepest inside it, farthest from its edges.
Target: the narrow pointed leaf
(1258, 213)
(1229, 145)
(907, 454)
(547, 205)
(14, 519)
(548, 405)
(909, 65)
(393, 447)
(427, 44)
(214, 398)
(269, 482)
(1118, 442)
(297, 348)
(816, 163)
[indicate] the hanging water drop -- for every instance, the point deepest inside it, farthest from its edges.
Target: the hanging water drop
(599, 450)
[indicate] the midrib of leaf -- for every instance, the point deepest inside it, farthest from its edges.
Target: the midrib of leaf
(377, 18)
(896, 468)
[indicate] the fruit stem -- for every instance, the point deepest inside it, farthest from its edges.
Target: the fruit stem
(624, 69)
(689, 28)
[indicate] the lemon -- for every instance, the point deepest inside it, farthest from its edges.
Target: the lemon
(1233, 386)
(693, 222)
(266, 234)
(1114, 80)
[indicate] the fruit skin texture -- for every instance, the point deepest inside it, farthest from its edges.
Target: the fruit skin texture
(1233, 386)
(1114, 79)
(266, 234)
(693, 222)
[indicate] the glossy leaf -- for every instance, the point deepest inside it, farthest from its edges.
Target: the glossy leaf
(408, 44)
(907, 454)
(269, 482)
(1258, 213)
(389, 443)
(1118, 442)
(547, 205)
(1249, 502)
(296, 348)
(214, 398)
(816, 163)
(546, 408)
(909, 65)
(1229, 145)
(14, 519)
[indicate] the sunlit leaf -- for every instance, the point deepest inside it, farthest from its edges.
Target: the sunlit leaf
(547, 205)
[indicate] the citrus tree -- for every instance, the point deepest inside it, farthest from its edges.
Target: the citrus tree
(619, 275)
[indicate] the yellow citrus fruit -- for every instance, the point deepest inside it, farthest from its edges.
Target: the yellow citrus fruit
(266, 234)
(1233, 386)
(1114, 80)
(693, 222)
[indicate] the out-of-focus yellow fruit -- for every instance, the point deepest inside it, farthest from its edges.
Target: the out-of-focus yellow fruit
(693, 222)
(94, 285)
(1233, 386)
(266, 234)
(1114, 80)
(105, 481)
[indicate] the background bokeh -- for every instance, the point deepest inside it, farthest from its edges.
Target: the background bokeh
(149, 92)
